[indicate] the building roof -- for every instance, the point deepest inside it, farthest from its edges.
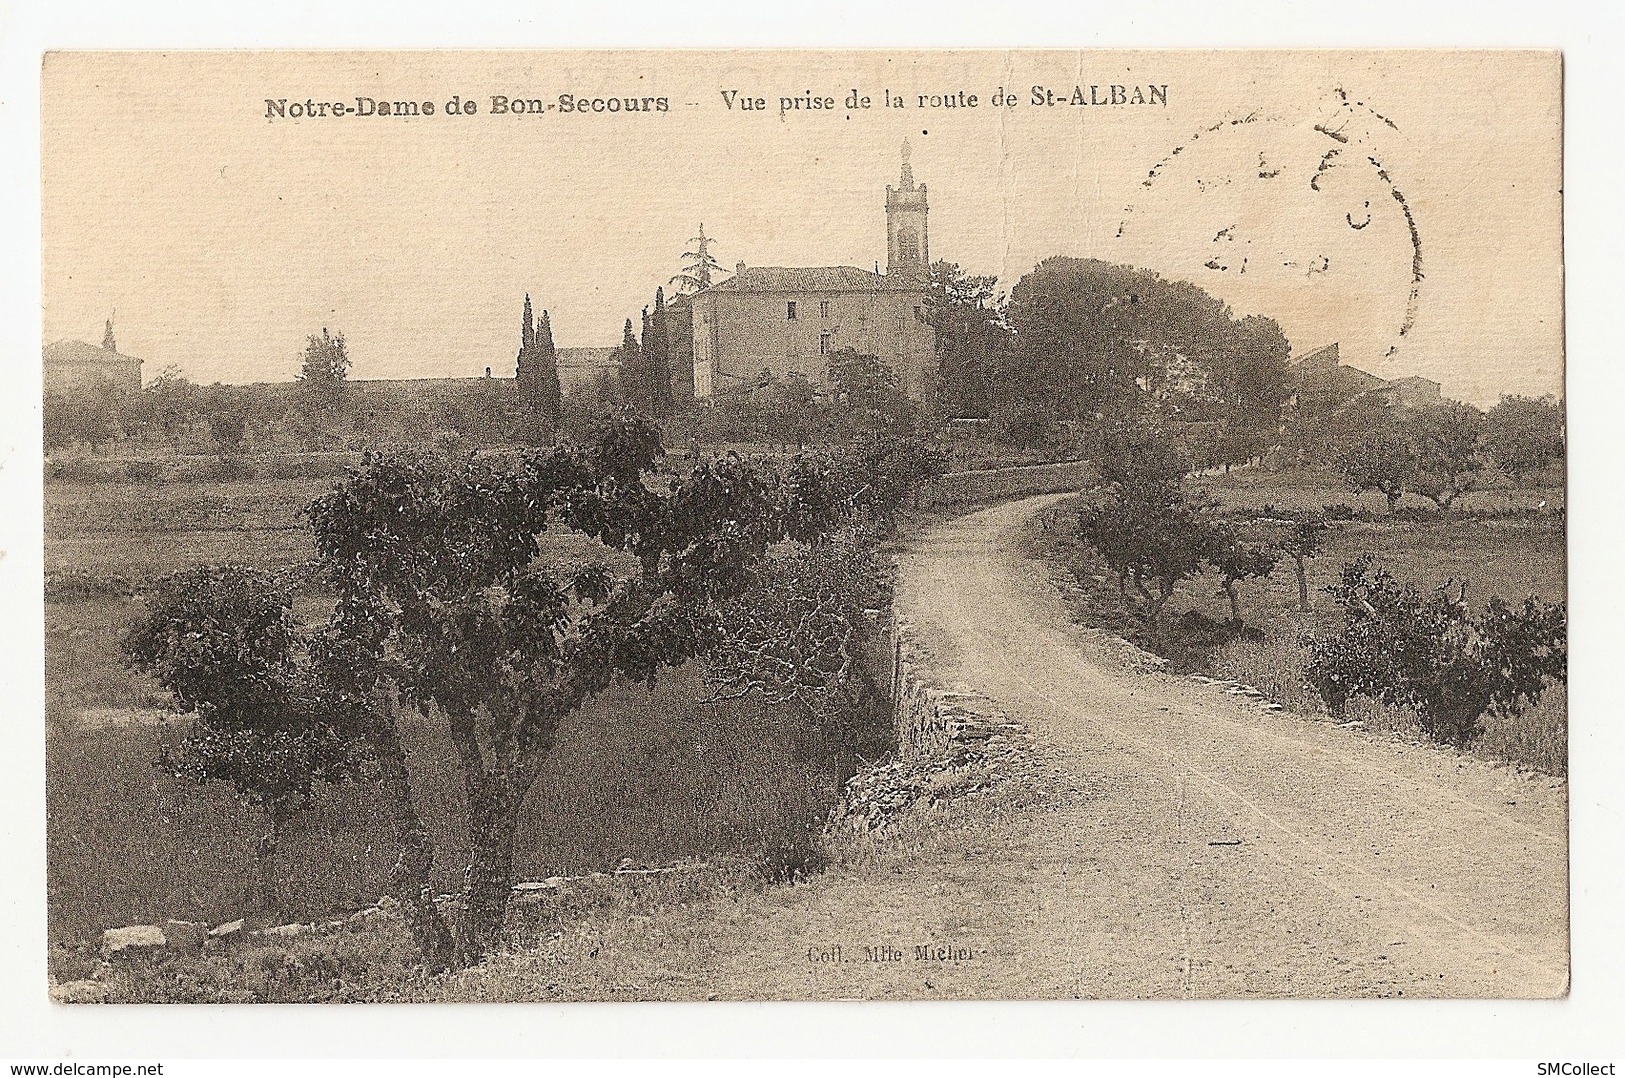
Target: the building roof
(1325, 357)
(815, 279)
(80, 354)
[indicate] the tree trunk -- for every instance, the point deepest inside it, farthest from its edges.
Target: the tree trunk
(488, 881)
(1303, 583)
(263, 886)
(409, 880)
(1235, 603)
(1159, 602)
(1393, 497)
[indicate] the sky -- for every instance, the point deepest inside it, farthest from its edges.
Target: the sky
(1428, 243)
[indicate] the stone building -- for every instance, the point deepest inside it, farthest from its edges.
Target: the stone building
(71, 366)
(1324, 383)
(784, 321)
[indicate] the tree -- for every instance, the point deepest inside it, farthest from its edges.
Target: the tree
(223, 642)
(1434, 654)
(971, 338)
(1093, 340)
(884, 473)
(172, 404)
(1250, 379)
(866, 394)
(1236, 561)
(57, 422)
(227, 429)
(784, 410)
(326, 368)
(1444, 441)
(700, 267)
(435, 565)
(1382, 461)
(657, 358)
(91, 416)
(536, 371)
(1304, 539)
(801, 634)
(1139, 454)
(634, 372)
(1524, 435)
(1152, 536)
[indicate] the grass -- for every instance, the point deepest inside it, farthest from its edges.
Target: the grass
(147, 529)
(1507, 555)
(651, 775)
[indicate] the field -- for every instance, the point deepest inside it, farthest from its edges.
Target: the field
(1506, 543)
(647, 775)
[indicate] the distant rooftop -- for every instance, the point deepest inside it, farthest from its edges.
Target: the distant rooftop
(80, 354)
(815, 279)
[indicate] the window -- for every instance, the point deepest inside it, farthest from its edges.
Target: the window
(823, 344)
(823, 308)
(790, 310)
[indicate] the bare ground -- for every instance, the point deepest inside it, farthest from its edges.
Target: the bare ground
(1186, 843)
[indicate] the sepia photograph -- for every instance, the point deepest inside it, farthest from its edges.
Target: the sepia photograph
(686, 525)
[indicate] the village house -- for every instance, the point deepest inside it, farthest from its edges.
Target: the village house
(784, 321)
(1325, 383)
(71, 366)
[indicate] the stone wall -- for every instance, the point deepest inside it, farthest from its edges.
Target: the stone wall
(997, 484)
(929, 716)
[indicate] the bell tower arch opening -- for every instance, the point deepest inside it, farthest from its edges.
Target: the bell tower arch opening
(908, 247)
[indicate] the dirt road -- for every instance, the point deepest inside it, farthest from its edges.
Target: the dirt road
(1194, 845)
(1222, 849)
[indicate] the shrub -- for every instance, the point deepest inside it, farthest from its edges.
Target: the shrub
(1274, 665)
(1022, 425)
(1434, 654)
(802, 634)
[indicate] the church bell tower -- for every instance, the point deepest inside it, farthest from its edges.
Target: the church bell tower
(908, 250)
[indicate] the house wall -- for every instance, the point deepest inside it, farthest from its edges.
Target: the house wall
(738, 334)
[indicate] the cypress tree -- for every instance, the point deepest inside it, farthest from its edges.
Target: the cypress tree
(632, 383)
(548, 394)
(657, 357)
(646, 382)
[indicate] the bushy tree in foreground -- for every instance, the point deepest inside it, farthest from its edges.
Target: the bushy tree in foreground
(443, 600)
(1434, 654)
(441, 596)
(222, 640)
